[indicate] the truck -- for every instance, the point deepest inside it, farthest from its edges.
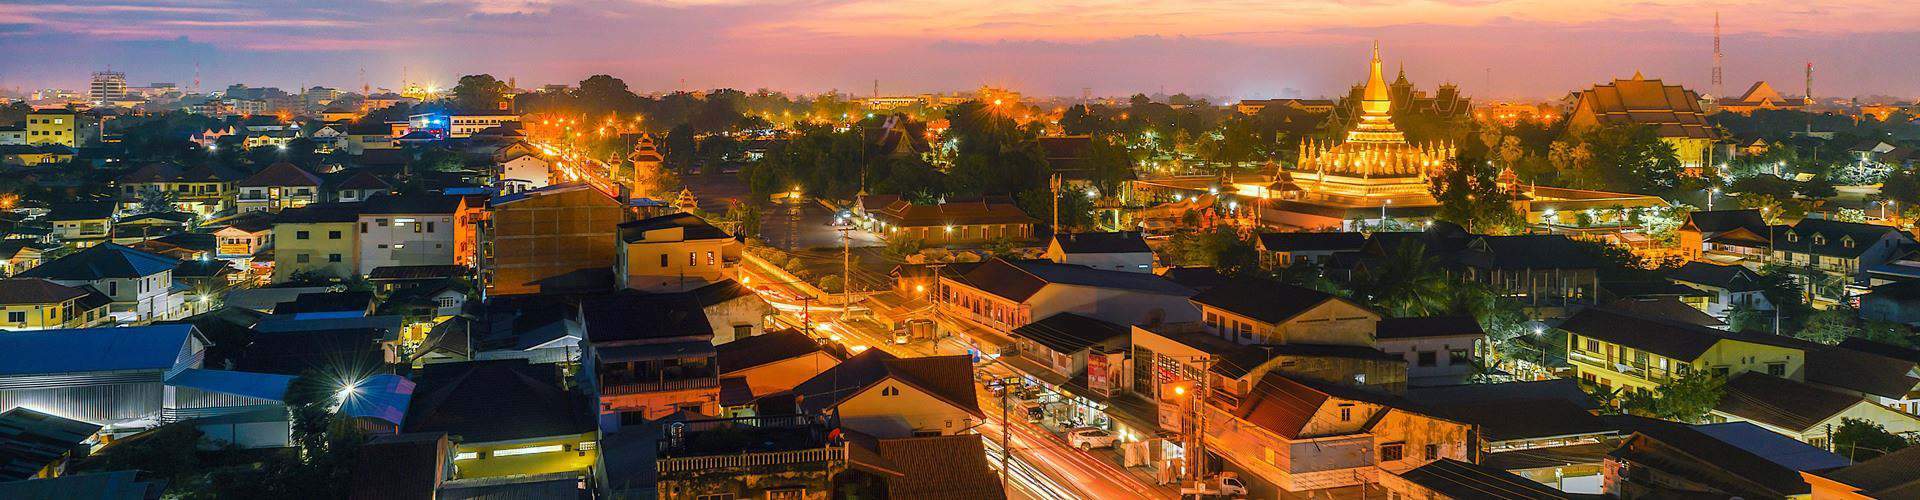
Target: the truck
(1222, 485)
(913, 329)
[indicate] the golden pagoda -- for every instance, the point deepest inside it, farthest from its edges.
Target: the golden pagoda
(1374, 160)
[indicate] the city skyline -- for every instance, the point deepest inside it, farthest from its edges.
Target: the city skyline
(1492, 49)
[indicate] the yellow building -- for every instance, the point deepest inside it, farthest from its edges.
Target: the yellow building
(883, 396)
(674, 252)
(203, 190)
(1258, 312)
(1673, 111)
(1619, 351)
(321, 238)
(38, 304)
(508, 416)
(53, 126)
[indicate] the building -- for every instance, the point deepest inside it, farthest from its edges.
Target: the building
(733, 311)
(244, 238)
(13, 135)
(320, 240)
(1251, 311)
(1002, 295)
(104, 376)
(38, 304)
(1252, 107)
(769, 364)
(1886, 476)
(140, 284)
(952, 222)
(1538, 270)
(1282, 250)
(877, 394)
(1118, 251)
(1804, 411)
(202, 191)
(458, 125)
(510, 417)
(279, 186)
(359, 186)
(693, 458)
(106, 86)
(524, 172)
(1838, 260)
(648, 359)
(53, 126)
(1298, 434)
(1613, 350)
(18, 255)
(410, 230)
(1374, 162)
(1673, 111)
(1728, 287)
(82, 224)
(117, 485)
(1439, 350)
(674, 252)
(1670, 460)
(1449, 479)
(1726, 236)
(36, 445)
(551, 238)
(1759, 96)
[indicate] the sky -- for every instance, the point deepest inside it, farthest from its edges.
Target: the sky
(1494, 49)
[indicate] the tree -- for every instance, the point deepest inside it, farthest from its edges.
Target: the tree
(154, 200)
(1222, 248)
(476, 93)
(1902, 187)
(1688, 398)
(1406, 283)
(1628, 158)
(1861, 440)
(436, 159)
(1470, 194)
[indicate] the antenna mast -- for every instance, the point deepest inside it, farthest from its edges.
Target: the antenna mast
(1719, 86)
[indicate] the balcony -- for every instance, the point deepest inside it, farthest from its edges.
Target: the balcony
(610, 386)
(766, 459)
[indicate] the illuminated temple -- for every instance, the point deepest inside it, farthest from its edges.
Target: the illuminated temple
(1374, 161)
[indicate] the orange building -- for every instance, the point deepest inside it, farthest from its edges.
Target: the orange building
(549, 239)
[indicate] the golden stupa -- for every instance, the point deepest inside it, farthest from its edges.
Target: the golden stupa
(1375, 160)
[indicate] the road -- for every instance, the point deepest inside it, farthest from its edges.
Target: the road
(1043, 465)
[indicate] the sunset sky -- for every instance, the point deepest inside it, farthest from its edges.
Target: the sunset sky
(1229, 48)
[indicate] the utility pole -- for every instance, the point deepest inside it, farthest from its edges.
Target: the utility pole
(846, 271)
(1006, 390)
(1196, 461)
(1054, 182)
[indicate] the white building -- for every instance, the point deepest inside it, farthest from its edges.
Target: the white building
(524, 173)
(1121, 251)
(140, 283)
(414, 230)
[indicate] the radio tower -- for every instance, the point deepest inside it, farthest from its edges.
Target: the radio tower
(1807, 101)
(1719, 86)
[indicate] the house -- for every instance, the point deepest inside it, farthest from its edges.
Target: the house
(1449, 479)
(1439, 350)
(1839, 258)
(1296, 435)
(1543, 430)
(18, 255)
(877, 394)
(1887, 476)
(549, 239)
(279, 186)
(771, 363)
(409, 230)
(244, 237)
(1803, 411)
(523, 173)
(1077, 358)
(402, 466)
(1726, 236)
(59, 126)
(140, 284)
(929, 466)
(82, 223)
(1730, 287)
(648, 358)
(1001, 295)
(953, 221)
(34, 156)
(1282, 250)
(674, 252)
(897, 137)
(1253, 311)
(38, 304)
(358, 186)
(507, 417)
(732, 310)
(107, 376)
(204, 190)
(686, 457)
(320, 240)
(1734, 459)
(1539, 270)
(136, 228)
(36, 445)
(1611, 349)
(1673, 111)
(1118, 251)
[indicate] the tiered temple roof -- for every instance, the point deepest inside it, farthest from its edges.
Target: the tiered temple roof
(1375, 157)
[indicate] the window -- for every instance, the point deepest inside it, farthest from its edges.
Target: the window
(16, 316)
(1593, 345)
(716, 496)
(1427, 358)
(1457, 356)
(1346, 413)
(1777, 369)
(1392, 452)
(333, 257)
(302, 258)
(363, 228)
(429, 227)
(693, 259)
(663, 260)
(709, 258)
(301, 235)
(1432, 452)
(742, 331)
(333, 235)
(889, 391)
(419, 227)
(1245, 329)
(380, 222)
(787, 494)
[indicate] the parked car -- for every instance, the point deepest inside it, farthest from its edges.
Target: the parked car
(1087, 438)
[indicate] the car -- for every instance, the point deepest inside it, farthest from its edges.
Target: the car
(1087, 438)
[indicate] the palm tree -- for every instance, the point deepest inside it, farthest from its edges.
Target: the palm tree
(1408, 282)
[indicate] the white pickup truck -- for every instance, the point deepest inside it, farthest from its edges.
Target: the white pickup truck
(1223, 485)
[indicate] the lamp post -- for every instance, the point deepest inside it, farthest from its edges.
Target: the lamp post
(1710, 193)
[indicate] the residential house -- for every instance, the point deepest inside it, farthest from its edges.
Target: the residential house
(34, 156)
(321, 240)
(733, 311)
(38, 304)
(13, 135)
(1282, 250)
(1803, 411)
(82, 223)
(1077, 358)
(1255, 311)
(1739, 236)
(523, 173)
(953, 221)
(36, 445)
(279, 186)
(108, 376)
(877, 394)
(1735, 459)
(766, 364)
(1439, 350)
(1835, 259)
(1886, 476)
(1118, 251)
(1898, 302)
(1001, 295)
(18, 255)
(1297, 434)
(409, 230)
(402, 466)
(116, 485)
(549, 239)
(1730, 287)
(1449, 479)
(244, 238)
(1544, 430)
(1539, 270)
(202, 191)
(929, 466)
(1615, 350)
(651, 250)
(140, 284)
(686, 457)
(358, 186)
(507, 417)
(648, 358)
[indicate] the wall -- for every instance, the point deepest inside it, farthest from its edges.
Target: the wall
(405, 240)
(319, 247)
(784, 374)
(1122, 307)
(901, 415)
(486, 463)
(689, 264)
(550, 235)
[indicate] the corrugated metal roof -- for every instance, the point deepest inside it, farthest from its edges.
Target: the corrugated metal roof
(155, 347)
